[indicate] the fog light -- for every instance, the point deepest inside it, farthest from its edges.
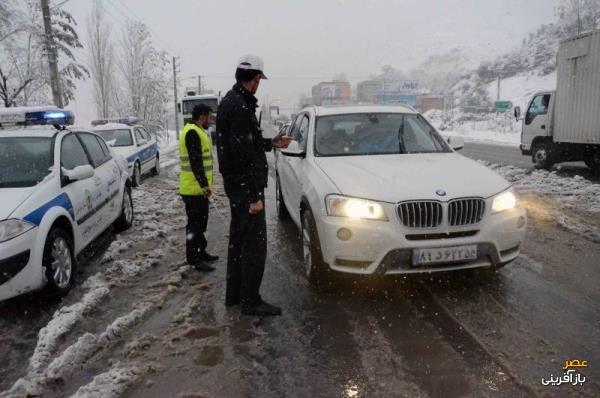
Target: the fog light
(521, 222)
(344, 234)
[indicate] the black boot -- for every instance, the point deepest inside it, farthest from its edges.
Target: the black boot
(262, 309)
(203, 267)
(209, 257)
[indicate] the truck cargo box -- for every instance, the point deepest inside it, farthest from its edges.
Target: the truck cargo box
(577, 103)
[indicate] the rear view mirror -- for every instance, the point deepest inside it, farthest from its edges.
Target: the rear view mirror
(78, 173)
(517, 113)
(456, 143)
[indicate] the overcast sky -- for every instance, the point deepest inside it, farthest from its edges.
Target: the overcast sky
(306, 41)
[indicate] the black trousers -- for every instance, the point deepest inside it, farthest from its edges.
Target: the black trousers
(196, 208)
(247, 253)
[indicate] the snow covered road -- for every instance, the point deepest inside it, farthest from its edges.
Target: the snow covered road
(142, 324)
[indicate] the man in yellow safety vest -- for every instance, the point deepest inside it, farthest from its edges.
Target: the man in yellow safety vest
(195, 185)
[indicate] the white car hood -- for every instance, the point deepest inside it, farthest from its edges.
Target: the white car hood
(395, 178)
(12, 198)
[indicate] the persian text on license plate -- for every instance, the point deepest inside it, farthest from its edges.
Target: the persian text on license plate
(440, 255)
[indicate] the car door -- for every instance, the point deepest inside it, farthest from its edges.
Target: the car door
(72, 154)
(293, 166)
(536, 123)
(147, 150)
(283, 166)
(103, 189)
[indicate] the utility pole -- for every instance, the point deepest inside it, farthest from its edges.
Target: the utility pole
(498, 88)
(52, 56)
(175, 97)
(199, 85)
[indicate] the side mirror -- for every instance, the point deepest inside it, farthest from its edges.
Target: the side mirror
(179, 108)
(78, 173)
(111, 142)
(456, 143)
(294, 150)
(517, 113)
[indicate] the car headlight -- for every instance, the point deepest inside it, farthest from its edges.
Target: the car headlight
(340, 206)
(504, 201)
(12, 228)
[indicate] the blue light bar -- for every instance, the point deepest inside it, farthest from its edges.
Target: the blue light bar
(46, 115)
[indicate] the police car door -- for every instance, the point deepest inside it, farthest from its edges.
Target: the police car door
(72, 155)
(105, 188)
(145, 148)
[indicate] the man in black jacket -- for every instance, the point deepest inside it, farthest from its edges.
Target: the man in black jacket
(242, 162)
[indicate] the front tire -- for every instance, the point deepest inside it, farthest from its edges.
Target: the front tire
(136, 179)
(125, 220)
(59, 262)
(542, 155)
(315, 269)
(282, 212)
(592, 160)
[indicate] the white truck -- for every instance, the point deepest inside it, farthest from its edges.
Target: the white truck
(564, 124)
(189, 101)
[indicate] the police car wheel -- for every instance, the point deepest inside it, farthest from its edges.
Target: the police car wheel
(59, 262)
(136, 180)
(125, 220)
(156, 169)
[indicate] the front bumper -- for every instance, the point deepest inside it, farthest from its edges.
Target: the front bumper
(20, 265)
(378, 247)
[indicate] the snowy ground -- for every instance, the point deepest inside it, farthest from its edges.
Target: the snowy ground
(142, 324)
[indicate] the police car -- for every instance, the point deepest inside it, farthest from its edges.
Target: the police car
(133, 142)
(60, 188)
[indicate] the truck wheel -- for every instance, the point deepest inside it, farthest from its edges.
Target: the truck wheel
(59, 262)
(282, 212)
(542, 155)
(315, 269)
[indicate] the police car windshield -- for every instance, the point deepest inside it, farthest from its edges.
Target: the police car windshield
(121, 137)
(24, 161)
(375, 134)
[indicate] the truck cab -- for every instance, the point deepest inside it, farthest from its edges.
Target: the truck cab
(537, 126)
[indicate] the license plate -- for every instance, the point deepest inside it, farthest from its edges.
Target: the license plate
(441, 255)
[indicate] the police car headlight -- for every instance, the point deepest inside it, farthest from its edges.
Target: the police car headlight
(504, 201)
(340, 206)
(12, 228)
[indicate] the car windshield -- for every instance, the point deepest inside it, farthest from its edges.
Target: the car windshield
(375, 134)
(24, 161)
(188, 105)
(121, 137)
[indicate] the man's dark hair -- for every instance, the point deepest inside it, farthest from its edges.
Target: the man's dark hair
(200, 110)
(245, 75)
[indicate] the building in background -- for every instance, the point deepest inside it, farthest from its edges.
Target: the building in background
(429, 101)
(331, 93)
(366, 92)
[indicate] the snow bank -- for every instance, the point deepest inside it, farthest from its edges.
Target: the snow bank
(110, 384)
(519, 88)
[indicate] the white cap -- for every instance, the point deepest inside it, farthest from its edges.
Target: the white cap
(252, 62)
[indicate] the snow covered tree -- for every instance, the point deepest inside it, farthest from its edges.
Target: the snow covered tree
(101, 59)
(578, 16)
(144, 71)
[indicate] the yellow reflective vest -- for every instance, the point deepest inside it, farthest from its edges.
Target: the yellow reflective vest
(188, 185)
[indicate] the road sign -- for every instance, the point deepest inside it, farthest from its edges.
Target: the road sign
(503, 106)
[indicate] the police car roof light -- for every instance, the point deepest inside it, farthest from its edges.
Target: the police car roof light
(128, 120)
(25, 116)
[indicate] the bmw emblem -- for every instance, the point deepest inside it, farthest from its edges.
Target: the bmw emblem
(440, 192)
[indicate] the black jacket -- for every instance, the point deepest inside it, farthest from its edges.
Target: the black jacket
(241, 147)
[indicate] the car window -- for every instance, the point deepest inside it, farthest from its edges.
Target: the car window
(94, 150)
(72, 153)
(539, 106)
(145, 134)
(376, 134)
(116, 138)
(24, 161)
(104, 147)
(138, 136)
(301, 132)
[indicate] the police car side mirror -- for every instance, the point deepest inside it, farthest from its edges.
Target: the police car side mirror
(78, 173)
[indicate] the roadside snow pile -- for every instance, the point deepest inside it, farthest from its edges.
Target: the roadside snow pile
(498, 128)
(573, 192)
(110, 384)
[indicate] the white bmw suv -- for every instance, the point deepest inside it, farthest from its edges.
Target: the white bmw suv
(376, 190)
